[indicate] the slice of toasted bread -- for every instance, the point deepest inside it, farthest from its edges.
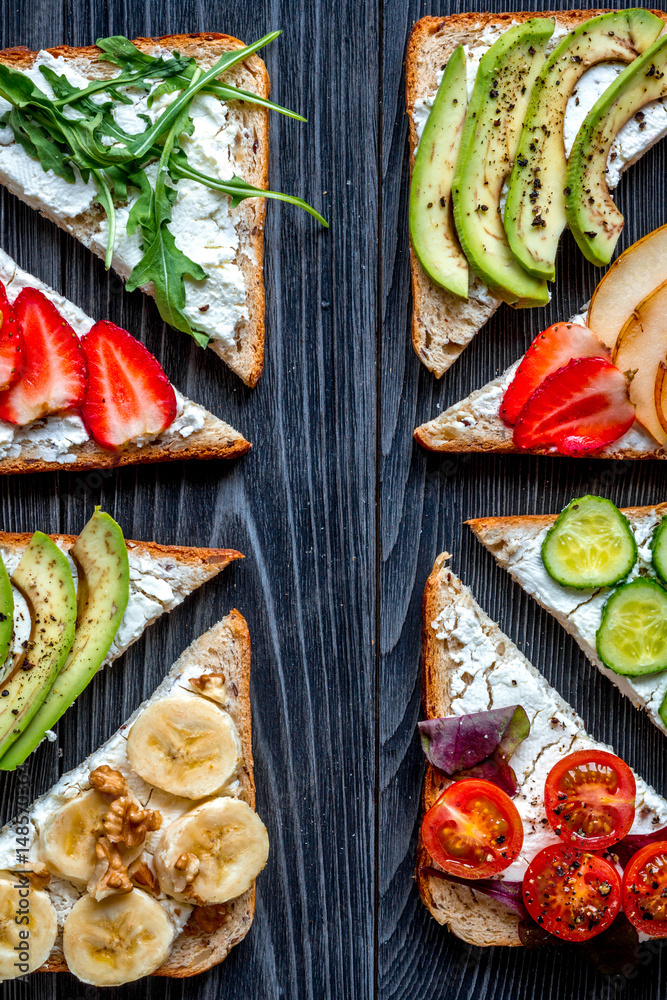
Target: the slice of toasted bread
(515, 542)
(246, 357)
(40, 446)
(211, 931)
(443, 324)
(463, 650)
(474, 425)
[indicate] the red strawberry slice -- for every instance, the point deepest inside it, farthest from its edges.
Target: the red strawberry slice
(128, 393)
(11, 343)
(579, 408)
(550, 350)
(53, 377)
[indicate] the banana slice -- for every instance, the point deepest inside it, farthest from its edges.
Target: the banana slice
(186, 746)
(212, 853)
(68, 837)
(28, 928)
(117, 940)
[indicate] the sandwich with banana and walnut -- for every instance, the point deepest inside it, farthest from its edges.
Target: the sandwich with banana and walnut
(154, 154)
(143, 859)
(520, 125)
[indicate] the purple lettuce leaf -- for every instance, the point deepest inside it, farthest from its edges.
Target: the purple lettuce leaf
(508, 893)
(634, 842)
(478, 745)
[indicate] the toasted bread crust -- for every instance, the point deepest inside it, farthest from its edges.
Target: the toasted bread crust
(188, 555)
(442, 324)
(535, 523)
(455, 906)
(247, 358)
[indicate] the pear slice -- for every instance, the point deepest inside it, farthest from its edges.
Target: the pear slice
(636, 273)
(44, 578)
(640, 349)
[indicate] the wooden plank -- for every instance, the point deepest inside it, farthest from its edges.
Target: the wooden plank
(424, 501)
(300, 505)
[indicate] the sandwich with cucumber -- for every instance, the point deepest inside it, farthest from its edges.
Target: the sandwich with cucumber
(533, 832)
(72, 605)
(143, 859)
(602, 572)
(154, 154)
(520, 125)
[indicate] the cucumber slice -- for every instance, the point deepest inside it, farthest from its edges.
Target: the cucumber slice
(591, 545)
(632, 638)
(659, 550)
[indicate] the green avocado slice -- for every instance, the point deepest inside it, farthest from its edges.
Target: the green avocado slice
(595, 221)
(535, 210)
(6, 613)
(103, 568)
(431, 222)
(44, 578)
(497, 108)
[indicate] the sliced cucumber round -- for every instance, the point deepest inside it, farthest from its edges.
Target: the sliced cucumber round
(590, 545)
(659, 550)
(632, 638)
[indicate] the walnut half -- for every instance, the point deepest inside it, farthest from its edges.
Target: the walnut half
(143, 877)
(212, 686)
(188, 868)
(109, 782)
(110, 874)
(211, 918)
(127, 822)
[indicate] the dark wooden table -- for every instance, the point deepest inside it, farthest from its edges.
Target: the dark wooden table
(340, 516)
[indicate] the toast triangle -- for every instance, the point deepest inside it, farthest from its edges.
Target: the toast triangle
(246, 356)
(225, 649)
(515, 543)
(454, 629)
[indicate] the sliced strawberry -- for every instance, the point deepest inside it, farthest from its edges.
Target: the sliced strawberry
(11, 343)
(53, 377)
(581, 407)
(128, 393)
(550, 350)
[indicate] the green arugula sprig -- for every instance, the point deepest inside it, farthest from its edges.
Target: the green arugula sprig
(69, 130)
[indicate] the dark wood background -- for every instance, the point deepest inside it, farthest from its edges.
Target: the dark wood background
(340, 517)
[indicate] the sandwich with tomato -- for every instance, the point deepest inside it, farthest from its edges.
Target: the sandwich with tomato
(533, 832)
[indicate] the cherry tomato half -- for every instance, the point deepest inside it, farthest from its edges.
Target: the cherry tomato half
(572, 894)
(589, 797)
(473, 830)
(645, 889)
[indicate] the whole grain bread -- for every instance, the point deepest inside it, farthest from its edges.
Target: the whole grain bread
(246, 357)
(506, 536)
(225, 649)
(443, 324)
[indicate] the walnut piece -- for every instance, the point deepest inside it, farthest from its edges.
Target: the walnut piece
(109, 782)
(37, 874)
(127, 822)
(110, 874)
(188, 867)
(211, 918)
(142, 876)
(212, 686)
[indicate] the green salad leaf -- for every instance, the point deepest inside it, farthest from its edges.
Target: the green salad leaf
(72, 131)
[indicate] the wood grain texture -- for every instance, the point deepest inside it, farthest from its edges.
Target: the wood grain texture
(301, 505)
(424, 500)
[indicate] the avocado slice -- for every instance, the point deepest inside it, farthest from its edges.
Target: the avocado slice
(595, 221)
(44, 578)
(535, 210)
(497, 108)
(103, 568)
(431, 221)
(6, 613)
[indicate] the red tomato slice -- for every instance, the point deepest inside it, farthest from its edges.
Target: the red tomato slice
(473, 830)
(645, 889)
(572, 894)
(589, 797)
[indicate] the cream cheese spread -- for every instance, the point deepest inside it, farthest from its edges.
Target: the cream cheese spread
(203, 222)
(56, 438)
(490, 672)
(581, 611)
